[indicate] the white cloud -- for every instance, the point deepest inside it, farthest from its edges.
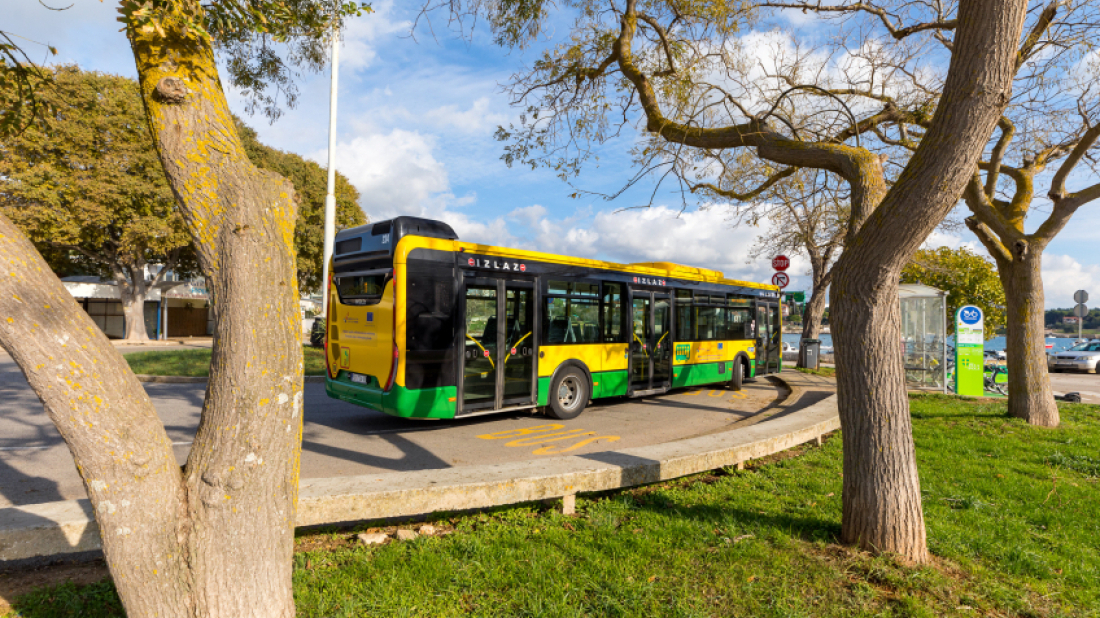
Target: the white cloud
(473, 120)
(395, 172)
(362, 34)
(1063, 275)
(702, 238)
(953, 241)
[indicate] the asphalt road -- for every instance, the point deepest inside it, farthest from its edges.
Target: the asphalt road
(345, 440)
(1086, 384)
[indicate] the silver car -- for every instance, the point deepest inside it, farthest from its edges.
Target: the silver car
(1081, 357)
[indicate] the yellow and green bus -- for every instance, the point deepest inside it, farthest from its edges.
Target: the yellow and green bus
(423, 325)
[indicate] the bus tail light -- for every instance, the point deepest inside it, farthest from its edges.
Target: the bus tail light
(396, 353)
(393, 369)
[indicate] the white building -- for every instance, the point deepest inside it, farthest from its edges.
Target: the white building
(172, 308)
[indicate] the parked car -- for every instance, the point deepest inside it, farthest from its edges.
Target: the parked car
(995, 355)
(1081, 357)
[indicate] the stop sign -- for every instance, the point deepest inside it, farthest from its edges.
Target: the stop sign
(780, 262)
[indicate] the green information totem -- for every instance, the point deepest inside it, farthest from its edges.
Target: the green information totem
(969, 351)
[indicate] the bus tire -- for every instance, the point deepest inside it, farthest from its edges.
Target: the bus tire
(569, 394)
(738, 377)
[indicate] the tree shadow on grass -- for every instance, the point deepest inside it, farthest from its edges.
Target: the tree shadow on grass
(71, 600)
(807, 528)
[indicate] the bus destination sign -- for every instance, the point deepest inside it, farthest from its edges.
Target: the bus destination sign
(496, 264)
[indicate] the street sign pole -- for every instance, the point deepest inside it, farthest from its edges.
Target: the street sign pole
(1080, 297)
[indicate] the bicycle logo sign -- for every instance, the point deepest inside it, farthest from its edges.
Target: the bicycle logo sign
(970, 315)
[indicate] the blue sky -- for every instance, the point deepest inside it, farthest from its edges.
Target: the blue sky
(416, 123)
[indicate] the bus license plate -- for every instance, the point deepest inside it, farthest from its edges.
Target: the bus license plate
(358, 378)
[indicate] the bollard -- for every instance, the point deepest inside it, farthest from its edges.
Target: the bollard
(569, 504)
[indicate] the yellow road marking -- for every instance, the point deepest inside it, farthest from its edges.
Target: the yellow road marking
(515, 433)
(549, 450)
(542, 437)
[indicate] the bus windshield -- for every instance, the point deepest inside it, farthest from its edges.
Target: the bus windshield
(361, 289)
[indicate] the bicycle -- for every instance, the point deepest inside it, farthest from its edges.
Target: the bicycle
(991, 383)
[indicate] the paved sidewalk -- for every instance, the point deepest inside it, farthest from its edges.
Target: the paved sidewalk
(66, 527)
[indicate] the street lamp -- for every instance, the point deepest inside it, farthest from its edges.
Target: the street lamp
(330, 195)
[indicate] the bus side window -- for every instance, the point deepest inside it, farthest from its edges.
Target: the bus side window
(740, 322)
(612, 313)
(572, 317)
(684, 330)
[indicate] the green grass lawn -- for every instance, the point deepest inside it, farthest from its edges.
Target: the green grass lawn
(196, 363)
(828, 372)
(1013, 516)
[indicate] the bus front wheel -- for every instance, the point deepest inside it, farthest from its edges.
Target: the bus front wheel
(568, 394)
(738, 378)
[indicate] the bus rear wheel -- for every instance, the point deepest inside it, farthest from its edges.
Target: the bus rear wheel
(568, 394)
(738, 377)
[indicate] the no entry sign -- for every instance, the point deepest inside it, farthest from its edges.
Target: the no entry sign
(781, 280)
(780, 262)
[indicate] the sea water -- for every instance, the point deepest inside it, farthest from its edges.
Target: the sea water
(996, 343)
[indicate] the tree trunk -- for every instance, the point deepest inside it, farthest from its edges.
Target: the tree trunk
(814, 311)
(132, 292)
(1029, 394)
(882, 500)
(216, 541)
(813, 315)
(109, 424)
(242, 473)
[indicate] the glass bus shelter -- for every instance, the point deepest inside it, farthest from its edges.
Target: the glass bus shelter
(924, 336)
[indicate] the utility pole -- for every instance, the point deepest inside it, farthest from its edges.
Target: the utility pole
(330, 195)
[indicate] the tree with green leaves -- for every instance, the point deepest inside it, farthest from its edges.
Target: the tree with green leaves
(86, 182)
(678, 73)
(310, 185)
(214, 538)
(968, 279)
(86, 186)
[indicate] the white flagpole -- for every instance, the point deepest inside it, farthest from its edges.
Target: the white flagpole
(330, 195)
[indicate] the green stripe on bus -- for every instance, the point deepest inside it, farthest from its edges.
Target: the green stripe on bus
(605, 384)
(702, 373)
(399, 401)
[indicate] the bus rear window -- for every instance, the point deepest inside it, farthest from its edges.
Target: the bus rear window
(361, 289)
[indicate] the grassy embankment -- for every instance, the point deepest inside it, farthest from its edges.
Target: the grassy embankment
(196, 363)
(1013, 516)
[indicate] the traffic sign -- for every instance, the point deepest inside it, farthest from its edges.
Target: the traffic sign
(781, 262)
(781, 280)
(1081, 296)
(1080, 310)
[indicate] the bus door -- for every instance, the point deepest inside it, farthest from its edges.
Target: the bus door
(769, 353)
(650, 342)
(497, 371)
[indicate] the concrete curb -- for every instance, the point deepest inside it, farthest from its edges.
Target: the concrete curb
(194, 380)
(58, 528)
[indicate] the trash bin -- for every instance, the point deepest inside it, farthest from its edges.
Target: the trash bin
(809, 353)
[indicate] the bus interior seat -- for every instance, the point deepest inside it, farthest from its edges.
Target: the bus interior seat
(557, 330)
